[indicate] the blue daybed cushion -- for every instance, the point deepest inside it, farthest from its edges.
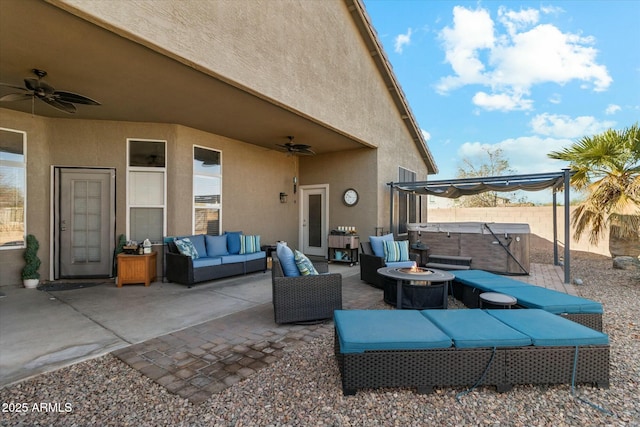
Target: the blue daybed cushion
(552, 301)
(475, 329)
(547, 329)
(376, 243)
(233, 241)
(287, 260)
(486, 281)
(362, 330)
(216, 245)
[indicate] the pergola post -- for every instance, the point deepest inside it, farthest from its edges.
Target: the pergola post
(555, 228)
(567, 227)
(391, 208)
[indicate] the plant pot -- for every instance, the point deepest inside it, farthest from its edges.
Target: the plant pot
(30, 283)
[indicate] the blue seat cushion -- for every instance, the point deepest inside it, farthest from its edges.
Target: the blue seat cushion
(216, 245)
(475, 329)
(486, 281)
(230, 259)
(552, 301)
(547, 329)
(401, 264)
(255, 255)
(369, 330)
(206, 262)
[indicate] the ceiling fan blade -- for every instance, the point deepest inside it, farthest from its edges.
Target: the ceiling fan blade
(64, 96)
(14, 87)
(39, 87)
(67, 107)
(16, 97)
(306, 152)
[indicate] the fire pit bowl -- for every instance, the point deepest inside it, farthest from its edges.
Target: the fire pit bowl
(418, 271)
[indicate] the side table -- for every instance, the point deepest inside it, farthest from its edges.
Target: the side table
(496, 300)
(136, 269)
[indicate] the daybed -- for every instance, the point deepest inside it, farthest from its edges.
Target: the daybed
(468, 285)
(229, 254)
(372, 257)
(425, 349)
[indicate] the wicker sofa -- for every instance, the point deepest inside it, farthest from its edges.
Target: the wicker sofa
(218, 257)
(305, 298)
(501, 348)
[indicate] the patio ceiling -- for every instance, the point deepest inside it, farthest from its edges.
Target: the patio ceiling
(134, 83)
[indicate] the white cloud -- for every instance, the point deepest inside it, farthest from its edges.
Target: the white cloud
(556, 98)
(561, 126)
(612, 109)
(402, 40)
(501, 102)
(526, 53)
(426, 135)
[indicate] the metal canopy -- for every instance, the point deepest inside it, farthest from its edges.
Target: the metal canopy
(455, 188)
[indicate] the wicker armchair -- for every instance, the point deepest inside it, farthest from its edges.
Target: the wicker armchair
(370, 263)
(305, 298)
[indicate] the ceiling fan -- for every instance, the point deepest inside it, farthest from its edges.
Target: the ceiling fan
(301, 149)
(38, 88)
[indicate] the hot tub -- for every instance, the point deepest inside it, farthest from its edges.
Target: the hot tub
(501, 248)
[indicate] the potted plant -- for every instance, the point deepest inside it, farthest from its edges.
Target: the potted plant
(30, 274)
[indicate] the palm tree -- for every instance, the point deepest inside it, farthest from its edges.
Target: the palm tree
(607, 166)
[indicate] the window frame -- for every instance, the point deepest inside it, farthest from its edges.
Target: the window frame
(207, 175)
(151, 169)
(24, 183)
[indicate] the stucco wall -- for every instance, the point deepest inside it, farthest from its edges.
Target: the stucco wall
(307, 55)
(539, 218)
(253, 177)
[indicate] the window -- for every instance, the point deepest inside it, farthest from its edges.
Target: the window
(13, 189)
(406, 202)
(207, 191)
(146, 190)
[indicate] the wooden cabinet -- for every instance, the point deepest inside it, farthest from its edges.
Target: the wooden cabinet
(343, 248)
(136, 269)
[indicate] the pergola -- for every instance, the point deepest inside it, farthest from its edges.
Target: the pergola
(455, 188)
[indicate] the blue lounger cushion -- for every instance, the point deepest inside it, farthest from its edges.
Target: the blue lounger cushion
(363, 330)
(486, 281)
(475, 329)
(547, 329)
(552, 301)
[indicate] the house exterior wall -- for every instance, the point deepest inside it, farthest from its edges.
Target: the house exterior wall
(301, 54)
(252, 178)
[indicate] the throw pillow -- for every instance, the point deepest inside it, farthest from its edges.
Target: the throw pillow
(233, 241)
(216, 246)
(185, 247)
(304, 264)
(376, 243)
(287, 260)
(249, 244)
(396, 251)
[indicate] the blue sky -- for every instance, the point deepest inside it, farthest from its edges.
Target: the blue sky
(526, 77)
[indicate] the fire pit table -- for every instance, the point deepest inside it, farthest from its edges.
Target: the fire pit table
(416, 288)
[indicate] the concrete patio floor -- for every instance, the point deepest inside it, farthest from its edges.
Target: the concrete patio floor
(193, 341)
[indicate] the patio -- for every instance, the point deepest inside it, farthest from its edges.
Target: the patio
(208, 337)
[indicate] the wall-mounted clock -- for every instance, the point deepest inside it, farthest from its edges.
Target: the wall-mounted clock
(350, 197)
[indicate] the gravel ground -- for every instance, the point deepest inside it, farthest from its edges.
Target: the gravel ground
(304, 387)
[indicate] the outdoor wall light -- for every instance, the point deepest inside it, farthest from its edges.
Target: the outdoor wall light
(283, 197)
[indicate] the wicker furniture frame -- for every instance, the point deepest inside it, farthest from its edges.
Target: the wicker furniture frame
(426, 369)
(470, 297)
(305, 298)
(370, 263)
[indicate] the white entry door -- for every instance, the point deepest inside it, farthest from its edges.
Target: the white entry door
(314, 220)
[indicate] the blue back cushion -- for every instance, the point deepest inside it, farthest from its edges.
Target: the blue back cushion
(249, 244)
(287, 260)
(233, 241)
(474, 329)
(362, 330)
(198, 243)
(304, 264)
(376, 243)
(216, 246)
(395, 251)
(547, 329)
